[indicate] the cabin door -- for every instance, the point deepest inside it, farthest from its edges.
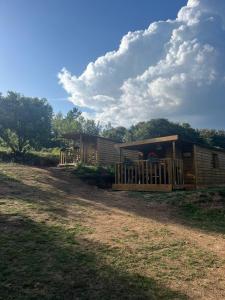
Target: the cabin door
(189, 170)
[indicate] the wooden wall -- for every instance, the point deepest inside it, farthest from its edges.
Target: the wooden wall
(129, 154)
(185, 152)
(206, 174)
(108, 154)
(89, 153)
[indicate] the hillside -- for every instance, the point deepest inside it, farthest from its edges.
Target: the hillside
(63, 239)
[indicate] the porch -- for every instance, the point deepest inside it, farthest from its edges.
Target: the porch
(143, 175)
(81, 148)
(69, 156)
(165, 164)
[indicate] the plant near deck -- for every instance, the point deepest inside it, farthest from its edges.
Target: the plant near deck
(102, 177)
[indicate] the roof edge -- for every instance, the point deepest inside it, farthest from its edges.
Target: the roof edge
(162, 139)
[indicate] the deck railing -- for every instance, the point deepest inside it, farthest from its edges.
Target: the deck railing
(69, 156)
(162, 171)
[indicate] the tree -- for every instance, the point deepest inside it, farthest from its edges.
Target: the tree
(213, 137)
(90, 126)
(24, 122)
(73, 122)
(117, 134)
(64, 124)
(162, 127)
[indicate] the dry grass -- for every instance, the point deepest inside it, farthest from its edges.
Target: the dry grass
(63, 239)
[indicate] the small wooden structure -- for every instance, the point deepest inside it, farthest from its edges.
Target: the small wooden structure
(91, 150)
(178, 164)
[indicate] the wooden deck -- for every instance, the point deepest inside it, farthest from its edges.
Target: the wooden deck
(144, 175)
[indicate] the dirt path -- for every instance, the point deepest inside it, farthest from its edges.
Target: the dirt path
(114, 212)
(154, 242)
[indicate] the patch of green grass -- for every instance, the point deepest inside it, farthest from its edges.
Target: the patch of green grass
(204, 208)
(206, 218)
(46, 253)
(48, 262)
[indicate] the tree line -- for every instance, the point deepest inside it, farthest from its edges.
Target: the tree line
(29, 123)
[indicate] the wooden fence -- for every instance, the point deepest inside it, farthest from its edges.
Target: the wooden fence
(69, 156)
(162, 171)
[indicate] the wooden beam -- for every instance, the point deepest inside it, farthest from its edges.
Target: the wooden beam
(143, 187)
(149, 141)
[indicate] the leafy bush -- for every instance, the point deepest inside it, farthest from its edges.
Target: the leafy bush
(102, 177)
(33, 158)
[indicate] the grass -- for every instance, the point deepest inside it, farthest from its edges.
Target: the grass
(204, 209)
(59, 240)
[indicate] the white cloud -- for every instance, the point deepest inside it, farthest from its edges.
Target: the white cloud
(173, 69)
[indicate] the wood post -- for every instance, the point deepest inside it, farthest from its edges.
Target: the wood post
(173, 163)
(174, 150)
(195, 165)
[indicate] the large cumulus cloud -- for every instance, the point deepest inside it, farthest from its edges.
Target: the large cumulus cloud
(173, 69)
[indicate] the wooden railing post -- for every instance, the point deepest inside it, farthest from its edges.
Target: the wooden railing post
(162, 171)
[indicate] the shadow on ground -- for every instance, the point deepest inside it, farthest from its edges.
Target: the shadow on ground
(204, 210)
(42, 262)
(56, 190)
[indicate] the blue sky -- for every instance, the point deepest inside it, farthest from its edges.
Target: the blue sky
(40, 37)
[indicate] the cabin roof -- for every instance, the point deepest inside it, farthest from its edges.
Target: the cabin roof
(77, 136)
(139, 145)
(143, 144)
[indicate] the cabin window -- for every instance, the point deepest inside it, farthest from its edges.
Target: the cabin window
(215, 161)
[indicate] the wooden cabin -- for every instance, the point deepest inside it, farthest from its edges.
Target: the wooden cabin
(169, 163)
(92, 150)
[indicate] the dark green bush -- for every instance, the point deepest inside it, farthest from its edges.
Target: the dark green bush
(102, 177)
(40, 159)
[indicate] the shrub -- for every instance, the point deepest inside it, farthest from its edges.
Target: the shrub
(33, 158)
(102, 177)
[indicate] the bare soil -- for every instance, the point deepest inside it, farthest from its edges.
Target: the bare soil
(125, 231)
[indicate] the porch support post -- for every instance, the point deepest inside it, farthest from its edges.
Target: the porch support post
(120, 155)
(174, 149)
(81, 149)
(173, 162)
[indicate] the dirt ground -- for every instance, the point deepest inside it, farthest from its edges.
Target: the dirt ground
(152, 241)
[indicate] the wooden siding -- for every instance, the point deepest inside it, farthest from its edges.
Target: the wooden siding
(109, 154)
(89, 153)
(188, 161)
(206, 175)
(129, 155)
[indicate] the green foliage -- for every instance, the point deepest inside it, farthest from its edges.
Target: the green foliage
(215, 138)
(44, 158)
(117, 134)
(25, 122)
(64, 124)
(102, 177)
(162, 127)
(73, 122)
